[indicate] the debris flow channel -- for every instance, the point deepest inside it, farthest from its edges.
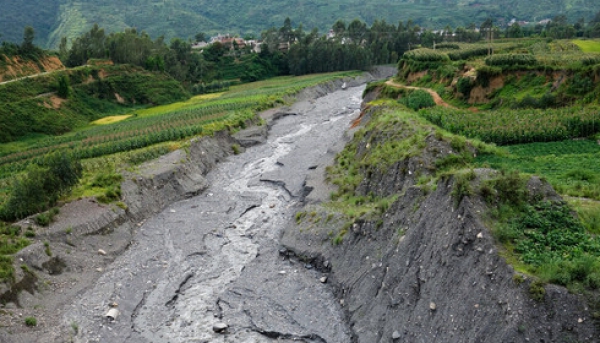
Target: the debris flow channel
(208, 269)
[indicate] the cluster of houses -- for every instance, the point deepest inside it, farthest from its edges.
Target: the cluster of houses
(230, 43)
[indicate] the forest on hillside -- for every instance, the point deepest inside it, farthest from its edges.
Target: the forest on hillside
(54, 19)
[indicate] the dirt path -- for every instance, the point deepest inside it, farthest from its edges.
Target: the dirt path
(436, 97)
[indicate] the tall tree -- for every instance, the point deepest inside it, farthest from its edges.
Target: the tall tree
(27, 47)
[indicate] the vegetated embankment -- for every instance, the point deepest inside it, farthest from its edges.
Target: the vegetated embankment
(408, 243)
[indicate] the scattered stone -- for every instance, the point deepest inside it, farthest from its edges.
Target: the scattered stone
(113, 304)
(99, 270)
(112, 314)
(101, 252)
(272, 205)
(395, 335)
(480, 235)
(323, 279)
(580, 320)
(172, 211)
(283, 251)
(308, 266)
(432, 306)
(220, 327)
(326, 264)
(282, 272)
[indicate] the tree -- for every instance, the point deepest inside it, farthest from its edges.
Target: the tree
(64, 86)
(357, 31)
(27, 47)
(339, 28)
(514, 31)
(200, 37)
(63, 52)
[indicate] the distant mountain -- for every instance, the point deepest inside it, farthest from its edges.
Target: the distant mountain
(53, 19)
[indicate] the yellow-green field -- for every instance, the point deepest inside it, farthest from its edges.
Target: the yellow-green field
(111, 119)
(588, 45)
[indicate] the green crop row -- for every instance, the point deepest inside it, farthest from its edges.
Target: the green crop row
(426, 55)
(511, 60)
(517, 126)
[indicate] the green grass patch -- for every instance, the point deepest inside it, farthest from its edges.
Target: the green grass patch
(588, 45)
(571, 166)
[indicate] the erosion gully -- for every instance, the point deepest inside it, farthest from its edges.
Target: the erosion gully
(214, 259)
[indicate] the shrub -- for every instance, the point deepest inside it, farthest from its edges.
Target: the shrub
(41, 185)
(466, 54)
(511, 60)
(418, 99)
(537, 290)
(30, 321)
(464, 86)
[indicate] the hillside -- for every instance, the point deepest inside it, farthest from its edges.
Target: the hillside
(16, 67)
(184, 18)
(34, 105)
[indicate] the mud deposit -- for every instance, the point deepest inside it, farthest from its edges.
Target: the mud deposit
(208, 269)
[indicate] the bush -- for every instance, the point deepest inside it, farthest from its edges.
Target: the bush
(464, 86)
(418, 99)
(41, 185)
(30, 321)
(511, 60)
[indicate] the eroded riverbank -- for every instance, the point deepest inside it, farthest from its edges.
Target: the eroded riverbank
(214, 258)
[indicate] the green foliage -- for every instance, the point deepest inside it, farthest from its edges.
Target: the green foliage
(450, 46)
(468, 53)
(25, 113)
(64, 86)
(417, 100)
(513, 61)
(570, 166)
(464, 86)
(426, 55)
(517, 126)
(537, 290)
(548, 239)
(41, 185)
(236, 149)
(30, 321)
(462, 186)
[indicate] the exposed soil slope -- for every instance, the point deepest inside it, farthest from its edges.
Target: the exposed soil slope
(12, 68)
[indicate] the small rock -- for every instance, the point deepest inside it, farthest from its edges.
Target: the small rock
(432, 306)
(101, 252)
(323, 279)
(308, 266)
(480, 235)
(99, 270)
(396, 335)
(326, 264)
(172, 211)
(282, 272)
(272, 205)
(580, 320)
(220, 327)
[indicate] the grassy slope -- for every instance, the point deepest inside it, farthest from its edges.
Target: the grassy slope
(588, 45)
(29, 110)
(184, 18)
(539, 239)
